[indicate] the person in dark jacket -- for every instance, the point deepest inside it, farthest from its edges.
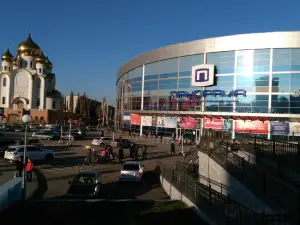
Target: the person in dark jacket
(19, 167)
(136, 152)
(172, 148)
(161, 138)
(121, 154)
(145, 153)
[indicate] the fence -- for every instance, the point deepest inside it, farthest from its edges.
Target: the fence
(216, 205)
(261, 182)
(10, 193)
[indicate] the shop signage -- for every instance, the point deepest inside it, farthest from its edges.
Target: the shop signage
(165, 108)
(217, 124)
(280, 128)
(205, 93)
(203, 75)
(254, 127)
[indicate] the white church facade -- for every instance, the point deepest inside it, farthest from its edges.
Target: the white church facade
(27, 82)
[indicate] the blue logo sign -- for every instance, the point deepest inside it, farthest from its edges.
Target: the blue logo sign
(205, 93)
(203, 75)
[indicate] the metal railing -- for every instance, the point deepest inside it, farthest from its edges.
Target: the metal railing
(263, 183)
(221, 208)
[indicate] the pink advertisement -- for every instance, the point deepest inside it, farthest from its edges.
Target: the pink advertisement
(215, 124)
(188, 123)
(254, 127)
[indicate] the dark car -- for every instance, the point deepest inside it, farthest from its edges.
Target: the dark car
(4, 145)
(86, 184)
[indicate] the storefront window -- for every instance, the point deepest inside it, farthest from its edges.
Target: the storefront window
(168, 68)
(286, 59)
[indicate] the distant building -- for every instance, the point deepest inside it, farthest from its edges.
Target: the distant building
(27, 85)
(89, 108)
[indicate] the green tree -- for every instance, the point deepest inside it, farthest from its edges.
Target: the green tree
(71, 103)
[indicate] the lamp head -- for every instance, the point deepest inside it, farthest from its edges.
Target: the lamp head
(26, 118)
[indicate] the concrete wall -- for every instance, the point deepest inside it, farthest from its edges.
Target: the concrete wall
(174, 194)
(209, 168)
(10, 192)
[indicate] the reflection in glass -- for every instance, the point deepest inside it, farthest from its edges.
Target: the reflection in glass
(224, 61)
(187, 62)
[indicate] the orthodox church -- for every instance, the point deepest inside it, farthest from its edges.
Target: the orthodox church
(27, 83)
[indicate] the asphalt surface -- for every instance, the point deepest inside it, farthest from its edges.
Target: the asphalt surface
(55, 176)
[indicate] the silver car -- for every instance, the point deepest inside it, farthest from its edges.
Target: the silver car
(131, 171)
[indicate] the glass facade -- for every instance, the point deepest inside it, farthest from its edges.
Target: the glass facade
(271, 78)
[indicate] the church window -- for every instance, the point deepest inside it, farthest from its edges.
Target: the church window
(38, 102)
(21, 64)
(3, 100)
(53, 105)
(40, 70)
(9, 68)
(5, 68)
(43, 71)
(30, 64)
(4, 82)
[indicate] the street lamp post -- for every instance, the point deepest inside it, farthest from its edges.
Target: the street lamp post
(25, 119)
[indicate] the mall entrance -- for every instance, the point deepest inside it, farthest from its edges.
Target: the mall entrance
(190, 136)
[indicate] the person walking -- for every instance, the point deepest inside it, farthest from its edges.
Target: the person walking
(145, 153)
(121, 155)
(136, 153)
(19, 167)
(172, 148)
(161, 138)
(29, 169)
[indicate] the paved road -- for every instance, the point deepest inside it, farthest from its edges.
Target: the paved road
(63, 169)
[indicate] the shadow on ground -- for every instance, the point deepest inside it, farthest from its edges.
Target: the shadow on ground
(42, 185)
(85, 212)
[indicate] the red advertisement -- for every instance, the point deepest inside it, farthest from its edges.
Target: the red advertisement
(215, 124)
(135, 119)
(254, 127)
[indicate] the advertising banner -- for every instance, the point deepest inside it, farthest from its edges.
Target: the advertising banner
(188, 123)
(294, 129)
(215, 124)
(280, 128)
(135, 119)
(253, 127)
(126, 118)
(146, 121)
(166, 122)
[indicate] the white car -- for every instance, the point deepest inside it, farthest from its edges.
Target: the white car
(102, 141)
(131, 171)
(14, 152)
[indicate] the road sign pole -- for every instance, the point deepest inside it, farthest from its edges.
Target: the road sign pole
(61, 129)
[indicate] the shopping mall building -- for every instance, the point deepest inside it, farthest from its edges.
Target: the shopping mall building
(247, 84)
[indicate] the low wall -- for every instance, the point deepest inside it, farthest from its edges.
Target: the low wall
(238, 192)
(10, 192)
(177, 195)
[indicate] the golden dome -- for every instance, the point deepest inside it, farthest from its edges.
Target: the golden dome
(49, 63)
(41, 58)
(7, 56)
(28, 47)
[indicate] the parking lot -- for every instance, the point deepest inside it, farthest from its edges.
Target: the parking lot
(54, 177)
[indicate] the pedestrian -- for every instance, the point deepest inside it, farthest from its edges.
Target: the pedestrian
(29, 168)
(93, 156)
(145, 153)
(136, 153)
(121, 155)
(172, 148)
(19, 167)
(89, 155)
(173, 136)
(161, 137)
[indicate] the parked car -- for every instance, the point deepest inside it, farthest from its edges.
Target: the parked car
(13, 153)
(131, 171)
(121, 143)
(102, 141)
(4, 144)
(30, 141)
(46, 135)
(86, 184)
(91, 128)
(74, 136)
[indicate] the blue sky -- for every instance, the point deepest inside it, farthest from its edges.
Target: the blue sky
(87, 41)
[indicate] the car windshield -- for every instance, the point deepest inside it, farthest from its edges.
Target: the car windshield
(131, 167)
(11, 149)
(84, 179)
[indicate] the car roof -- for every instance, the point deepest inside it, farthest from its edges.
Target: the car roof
(131, 163)
(21, 146)
(87, 172)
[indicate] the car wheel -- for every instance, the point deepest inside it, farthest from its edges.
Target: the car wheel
(102, 145)
(49, 158)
